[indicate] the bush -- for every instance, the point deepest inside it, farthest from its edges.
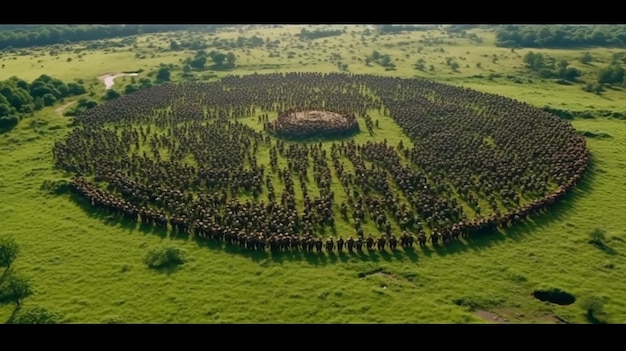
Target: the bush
(8, 251)
(162, 257)
(564, 114)
(8, 122)
(36, 315)
(597, 236)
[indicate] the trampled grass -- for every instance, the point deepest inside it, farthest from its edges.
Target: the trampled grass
(90, 267)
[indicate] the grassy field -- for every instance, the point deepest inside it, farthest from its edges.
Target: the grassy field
(89, 268)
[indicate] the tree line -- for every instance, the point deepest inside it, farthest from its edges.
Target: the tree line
(18, 97)
(560, 36)
(319, 33)
(396, 28)
(612, 74)
(41, 35)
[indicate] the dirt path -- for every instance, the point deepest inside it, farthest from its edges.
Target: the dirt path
(503, 318)
(59, 110)
(108, 79)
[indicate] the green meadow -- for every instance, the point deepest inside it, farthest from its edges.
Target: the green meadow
(88, 266)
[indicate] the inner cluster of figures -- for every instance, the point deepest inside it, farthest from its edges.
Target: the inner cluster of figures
(188, 158)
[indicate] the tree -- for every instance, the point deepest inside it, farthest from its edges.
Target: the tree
(230, 59)
(163, 74)
(198, 62)
(8, 251)
(111, 94)
(534, 61)
(586, 58)
(18, 287)
(613, 74)
(420, 64)
(218, 58)
(36, 315)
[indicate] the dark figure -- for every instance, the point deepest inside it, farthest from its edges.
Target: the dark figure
(421, 237)
(369, 243)
(359, 244)
(340, 244)
(381, 243)
(318, 245)
(350, 244)
(330, 245)
(434, 237)
(393, 243)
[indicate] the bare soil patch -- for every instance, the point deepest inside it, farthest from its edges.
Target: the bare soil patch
(490, 316)
(505, 316)
(108, 79)
(59, 110)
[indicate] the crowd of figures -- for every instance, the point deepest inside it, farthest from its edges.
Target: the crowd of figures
(183, 156)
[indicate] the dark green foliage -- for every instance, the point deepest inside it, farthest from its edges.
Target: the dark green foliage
(8, 251)
(40, 35)
(228, 44)
(597, 236)
(81, 106)
(381, 59)
(458, 28)
(586, 58)
(111, 94)
(560, 36)
(565, 114)
(14, 287)
(36, 315)
(49, 99)
(318, 33)
(395, 28)
(612, 74)
(163, 74)
(198, 62)
(162, 257)
(76, 89)
(221, 61)
(8, 122)
(467, 302)
(131, 88)
(596, 88)
(534, 61)
(420, 65)
(547, 68)
(19, 97)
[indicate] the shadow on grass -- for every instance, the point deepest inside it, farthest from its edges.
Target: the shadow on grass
(167, 270)
(518, 232)
(537, 222)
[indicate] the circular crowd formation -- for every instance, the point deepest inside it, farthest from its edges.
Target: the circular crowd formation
(303, 123)
(202, 158)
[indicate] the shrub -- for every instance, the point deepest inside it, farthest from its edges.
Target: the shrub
(164, 257)
(36, 315)
(8, 122)
(8, 251)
